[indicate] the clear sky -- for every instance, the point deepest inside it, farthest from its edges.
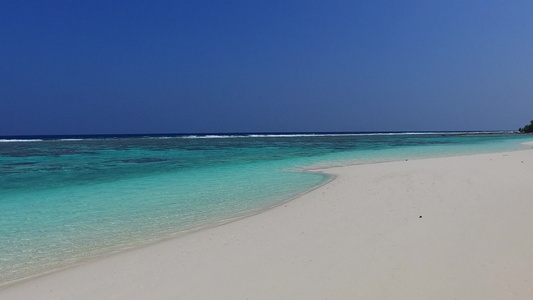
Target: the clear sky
(95, 67)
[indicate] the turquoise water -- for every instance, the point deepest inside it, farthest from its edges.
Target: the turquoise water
(64, 201)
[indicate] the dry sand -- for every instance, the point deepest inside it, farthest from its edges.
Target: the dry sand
(444, 228)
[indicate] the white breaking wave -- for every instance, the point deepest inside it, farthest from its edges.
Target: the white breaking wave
(212, 136)
(290, 135)
(272, 135)
(19, 141)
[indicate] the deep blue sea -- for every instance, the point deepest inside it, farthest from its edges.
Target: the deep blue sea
(66, 200)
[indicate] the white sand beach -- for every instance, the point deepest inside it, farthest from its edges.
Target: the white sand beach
(441, 228)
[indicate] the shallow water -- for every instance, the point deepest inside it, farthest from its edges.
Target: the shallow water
(63, 201)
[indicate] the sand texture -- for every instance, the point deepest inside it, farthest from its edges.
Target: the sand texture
(443, 228)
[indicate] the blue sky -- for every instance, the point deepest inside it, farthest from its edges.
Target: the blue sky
(95, 67)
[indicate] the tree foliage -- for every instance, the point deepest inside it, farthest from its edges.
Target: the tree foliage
(527, 128)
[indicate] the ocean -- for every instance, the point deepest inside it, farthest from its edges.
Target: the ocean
(66, 200)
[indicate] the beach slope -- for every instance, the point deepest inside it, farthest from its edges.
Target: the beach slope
(442, 228)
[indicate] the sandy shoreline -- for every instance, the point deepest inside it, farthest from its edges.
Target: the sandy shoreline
(441, 228)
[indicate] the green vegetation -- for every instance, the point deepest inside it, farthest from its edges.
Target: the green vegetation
(527, 128)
